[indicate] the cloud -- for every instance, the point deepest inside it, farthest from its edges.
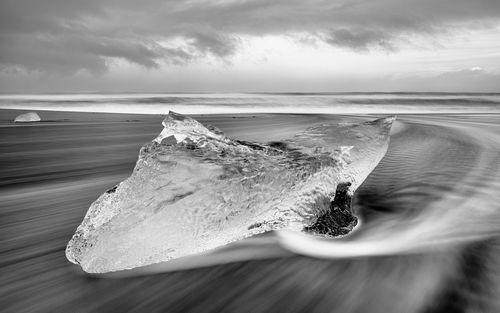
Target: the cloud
(477, 77)
(218, 45)
(67, 36)
(474, 79)
(360, 39)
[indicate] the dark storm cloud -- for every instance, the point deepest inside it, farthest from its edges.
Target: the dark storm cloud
(360, 39)
(71, 35)
(215, 44)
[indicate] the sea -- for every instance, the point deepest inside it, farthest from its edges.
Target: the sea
(220, 103)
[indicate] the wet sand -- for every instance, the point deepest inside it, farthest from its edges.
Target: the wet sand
(51, 171)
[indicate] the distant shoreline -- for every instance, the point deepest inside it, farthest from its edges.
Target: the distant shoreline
(9, 112)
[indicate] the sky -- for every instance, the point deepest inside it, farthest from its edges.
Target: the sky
(245, 46)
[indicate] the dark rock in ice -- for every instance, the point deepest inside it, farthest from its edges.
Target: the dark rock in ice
(338, 220)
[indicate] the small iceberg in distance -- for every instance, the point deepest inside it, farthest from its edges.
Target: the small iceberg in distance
(193, 190)
(28, 117)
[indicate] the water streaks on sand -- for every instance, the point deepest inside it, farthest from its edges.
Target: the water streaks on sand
(458, 270)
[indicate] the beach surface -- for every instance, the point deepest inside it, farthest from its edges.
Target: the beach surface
(420, 240)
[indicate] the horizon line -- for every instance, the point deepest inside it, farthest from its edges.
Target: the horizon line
(253, 92)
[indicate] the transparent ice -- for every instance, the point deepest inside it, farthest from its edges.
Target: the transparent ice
(28, 117)
(193, 189)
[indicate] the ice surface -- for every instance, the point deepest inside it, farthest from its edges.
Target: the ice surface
(28, 117)
(193, 189)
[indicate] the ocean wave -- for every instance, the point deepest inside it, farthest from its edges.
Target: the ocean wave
(258, 103)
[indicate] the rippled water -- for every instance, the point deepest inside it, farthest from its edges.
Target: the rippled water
(428, 239)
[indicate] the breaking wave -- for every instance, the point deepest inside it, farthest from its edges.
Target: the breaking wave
(329, 103)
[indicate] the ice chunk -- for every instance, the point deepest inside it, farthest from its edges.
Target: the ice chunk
(193, 189)
(182, 127)
(28, 117)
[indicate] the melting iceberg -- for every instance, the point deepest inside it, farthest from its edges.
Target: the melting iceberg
(193, 190)
(28, 117)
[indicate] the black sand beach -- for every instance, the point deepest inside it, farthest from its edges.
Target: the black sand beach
(51, 171)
